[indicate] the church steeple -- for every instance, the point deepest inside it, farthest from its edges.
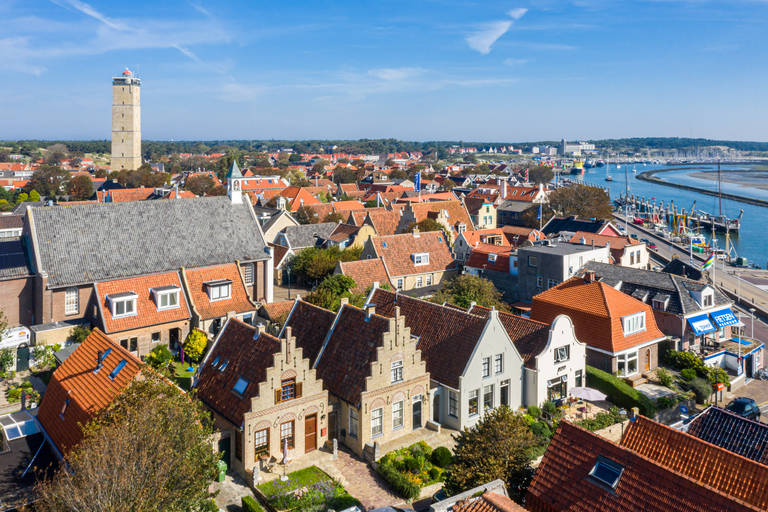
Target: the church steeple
(234, 183)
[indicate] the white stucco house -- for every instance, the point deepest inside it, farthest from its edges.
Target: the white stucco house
(482, 358)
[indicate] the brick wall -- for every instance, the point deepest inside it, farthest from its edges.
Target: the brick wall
(144, 341)
(17, 301)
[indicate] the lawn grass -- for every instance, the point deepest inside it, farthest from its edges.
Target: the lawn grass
(279, 493)
(180, 374)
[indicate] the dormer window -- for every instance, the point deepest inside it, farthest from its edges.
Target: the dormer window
(420, 258)
(166, 297)
(492, 257)
(122, 304)
(219, 290)
(707, 298)
(240, 386)
(633, 323)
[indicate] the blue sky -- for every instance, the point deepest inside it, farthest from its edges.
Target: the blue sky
(418, 70)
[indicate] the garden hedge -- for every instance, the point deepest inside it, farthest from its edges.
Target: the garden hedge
(251, 505)
(619, 392)
(399, 483)
(441, 457)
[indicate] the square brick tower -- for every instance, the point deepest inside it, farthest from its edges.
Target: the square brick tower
(126, 122)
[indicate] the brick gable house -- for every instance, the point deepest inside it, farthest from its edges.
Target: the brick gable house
(142, 312)
(375, 375)
(264, 395)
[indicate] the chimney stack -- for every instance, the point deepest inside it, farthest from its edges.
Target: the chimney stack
(589, 276)
(370, 309)
(344, 301)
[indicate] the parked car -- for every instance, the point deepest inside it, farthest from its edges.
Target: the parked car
(652, 245)
(745, 407)
(645, 241)
(633, 236)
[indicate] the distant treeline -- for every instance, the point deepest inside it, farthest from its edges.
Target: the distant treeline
(154, 148)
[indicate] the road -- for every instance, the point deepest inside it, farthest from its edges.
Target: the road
(725, 278)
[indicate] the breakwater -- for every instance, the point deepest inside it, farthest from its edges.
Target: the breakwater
(650, 177)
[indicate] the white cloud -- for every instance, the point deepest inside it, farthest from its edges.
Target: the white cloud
(483, 40)
(517, 13)
(514, 62)
(395, 74)
(93, 13)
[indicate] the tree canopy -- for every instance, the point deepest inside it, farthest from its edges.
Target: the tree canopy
(581, 200)
(540, 174)
(466, 289)
(80, 188)
(498, 446)
(313, 264)
(332, 289)
(150, 451)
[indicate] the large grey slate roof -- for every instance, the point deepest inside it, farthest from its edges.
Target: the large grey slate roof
(93, 242)
(633, 279)
(303, 235)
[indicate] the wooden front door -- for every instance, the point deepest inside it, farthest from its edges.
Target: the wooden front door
(310, 433)
(648, 360)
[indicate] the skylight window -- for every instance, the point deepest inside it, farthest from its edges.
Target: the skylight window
(224, 365)
(216, 361)
(606, 472)
(240, 386)
(117, 369)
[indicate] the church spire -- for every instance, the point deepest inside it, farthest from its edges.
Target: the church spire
(234, 183)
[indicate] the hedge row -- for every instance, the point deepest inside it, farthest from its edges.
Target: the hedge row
(249, 504)
(619, 392)
(401, 485)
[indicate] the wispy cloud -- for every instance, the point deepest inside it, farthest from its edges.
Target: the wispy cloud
(514, 62)
(88, 10)
(483, 39)
(395, 74)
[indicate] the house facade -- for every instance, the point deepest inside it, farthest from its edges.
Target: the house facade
(625, 251)
(264, 395)
(141, 313)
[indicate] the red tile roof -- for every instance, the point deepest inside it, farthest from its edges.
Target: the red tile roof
(309, 324)
(196, 278)
(345, 206)
(365, 273)
(147, 313)
(490, 257)
(121, 195)
(343, 232)
(447, 336)
(277, 311)
(488, 502)
(246, 358)
(699, 460)
(596, 310)
(384, 222)
(562, 481)
(457, 213)
(396, 251)
(298, 196)
(280, 252)
(88, 393)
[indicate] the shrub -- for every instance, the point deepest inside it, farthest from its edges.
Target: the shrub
(7, 359)
(549, 407)
(420, 449)
(702, 388)
(250, 505)
(412, 464)
(688, 373)
(210, 506)
(541, 429)
(441, 457)
(159, 357)
(664, 377)
(78, 334)
(195, 345)
(401, 485)
(716, 374)
(619, 392)
(534, 411)
(665, 402)
(602, 420)
(434, 474)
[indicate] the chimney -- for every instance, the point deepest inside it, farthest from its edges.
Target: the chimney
(370, 309)
(589, 276)
(503, 189)
(415, 231)
(344, 301)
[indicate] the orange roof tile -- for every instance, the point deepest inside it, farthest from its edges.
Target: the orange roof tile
(396, 251)
(365, 273)
(487, 502)
(596, 310)
(84, 392)
(121, 195)
(490, 257)
(457, 213)
(345, 206)
(147, 313)
(277, 310)
(196, 278)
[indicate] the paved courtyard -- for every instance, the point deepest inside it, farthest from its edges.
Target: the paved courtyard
(756, 390)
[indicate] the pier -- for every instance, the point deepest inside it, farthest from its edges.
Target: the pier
(675, 218)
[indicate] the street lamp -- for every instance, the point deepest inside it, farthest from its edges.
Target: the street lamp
(623, 414)
(752, 312)
(289, 281)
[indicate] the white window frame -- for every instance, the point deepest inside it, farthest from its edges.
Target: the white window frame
(488, 390)
(562, 354)
(453, 404)
(165, 295)
(114, 305)
(215, 292)
(420, 258)
(623, 360)
(633, 323)
(419, 281)
(377, 422)
(429, 279)
(398, 415)
(707, 299)
(486, 367)
(539, 282)
(354, 422)
(397, 371)
(399, 283)
(72, 301)
(473, 395)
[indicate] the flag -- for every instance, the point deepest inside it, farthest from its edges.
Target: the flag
(709, 262)
(417, 182)
(539, 216)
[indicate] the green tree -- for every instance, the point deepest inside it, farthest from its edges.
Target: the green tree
(305, 215)
(195, 344)
(330, 291)
(150, 451)
(581, 200)
(540, 174)
(313, 264)
(46, 180)
(79, 333)
(498, 446)
(34, 196)
(466, 289)
(22, 198)
(80, 188)
(398, 174)
(200, 185)
(426, 225)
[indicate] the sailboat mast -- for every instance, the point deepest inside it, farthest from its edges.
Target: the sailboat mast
(719, 192)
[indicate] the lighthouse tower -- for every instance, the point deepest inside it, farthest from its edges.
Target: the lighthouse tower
(126, 122)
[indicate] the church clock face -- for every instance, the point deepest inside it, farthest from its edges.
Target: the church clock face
(236, 185)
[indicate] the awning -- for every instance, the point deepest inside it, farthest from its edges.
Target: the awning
(700, 324)
(724, 317)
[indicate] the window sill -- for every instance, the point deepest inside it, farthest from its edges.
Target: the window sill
(117, 317)
(395, 429)
(217, 300)
(376, 436)
(167, 308)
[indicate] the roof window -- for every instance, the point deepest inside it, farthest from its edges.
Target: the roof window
(216, 361)
(606, 472)
(224, 365)
(240, 386)
(420, 258)
(219, 290)
(166, 297)
(120, 366)
(122, 304)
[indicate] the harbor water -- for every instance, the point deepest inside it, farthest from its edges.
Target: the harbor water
(752, 240)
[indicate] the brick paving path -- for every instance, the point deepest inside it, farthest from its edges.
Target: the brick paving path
(362, 482)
